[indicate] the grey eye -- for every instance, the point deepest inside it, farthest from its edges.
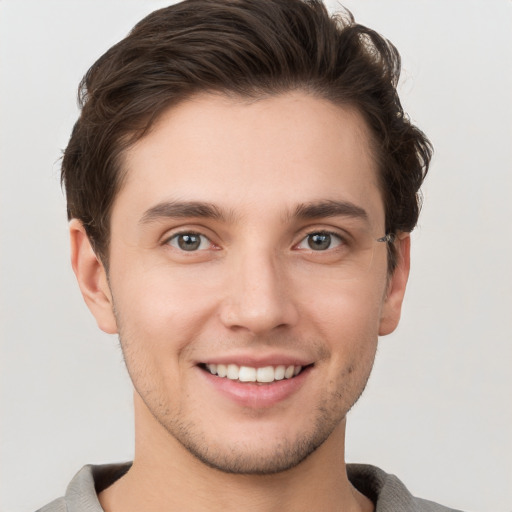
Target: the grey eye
(189, 241)
(320, 241)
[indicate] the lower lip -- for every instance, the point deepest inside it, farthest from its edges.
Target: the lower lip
(254, 395)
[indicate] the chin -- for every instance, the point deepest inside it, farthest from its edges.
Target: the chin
(237, 460)
(256, 451)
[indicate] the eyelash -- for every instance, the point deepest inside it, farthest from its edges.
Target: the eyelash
(341, 240)
(176, 236)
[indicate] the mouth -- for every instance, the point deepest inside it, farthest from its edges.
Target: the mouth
(259, 375)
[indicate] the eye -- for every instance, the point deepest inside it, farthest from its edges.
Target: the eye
(320, 241)
(189, 242)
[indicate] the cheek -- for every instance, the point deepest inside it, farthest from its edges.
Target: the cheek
(162, 301)
(347, 318)
(157, 319)
(348, 307)
(160, 314)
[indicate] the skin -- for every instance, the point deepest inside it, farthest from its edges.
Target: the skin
(253, 289)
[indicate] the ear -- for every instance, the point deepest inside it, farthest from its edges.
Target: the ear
(92, 278)
(392, 306)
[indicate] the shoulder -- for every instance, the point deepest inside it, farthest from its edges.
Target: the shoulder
(81, 493)
(430, 506)
(58, 505)
(387, 492)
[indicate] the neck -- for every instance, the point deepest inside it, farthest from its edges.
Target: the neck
(165, 477)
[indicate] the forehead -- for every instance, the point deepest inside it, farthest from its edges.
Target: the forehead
(252, 156)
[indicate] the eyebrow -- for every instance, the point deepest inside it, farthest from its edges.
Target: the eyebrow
(330, 208)
(181, 209)
(200, 209)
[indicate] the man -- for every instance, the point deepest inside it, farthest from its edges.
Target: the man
(241, 186)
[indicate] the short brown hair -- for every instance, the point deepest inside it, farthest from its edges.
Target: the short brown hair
(250, 48)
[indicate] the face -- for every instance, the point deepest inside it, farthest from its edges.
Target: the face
(245, 279)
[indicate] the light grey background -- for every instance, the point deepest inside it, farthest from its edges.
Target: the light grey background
(438, 408)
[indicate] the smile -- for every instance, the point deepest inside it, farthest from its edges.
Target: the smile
(265, 374)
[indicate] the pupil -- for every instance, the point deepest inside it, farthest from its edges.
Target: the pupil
(189, 242)
(319, 241)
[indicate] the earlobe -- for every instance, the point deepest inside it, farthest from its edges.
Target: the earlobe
(392, 306)
(92, 278)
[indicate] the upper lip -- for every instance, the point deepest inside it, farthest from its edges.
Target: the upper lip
(258, 361)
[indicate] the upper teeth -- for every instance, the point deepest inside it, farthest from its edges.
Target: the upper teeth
(250, 374)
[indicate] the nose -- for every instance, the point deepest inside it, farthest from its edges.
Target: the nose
(258, 297)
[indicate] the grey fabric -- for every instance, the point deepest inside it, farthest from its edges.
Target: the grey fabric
(387, 492)
(82, 492)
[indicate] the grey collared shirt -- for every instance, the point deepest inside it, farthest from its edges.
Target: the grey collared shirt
(387, 492)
